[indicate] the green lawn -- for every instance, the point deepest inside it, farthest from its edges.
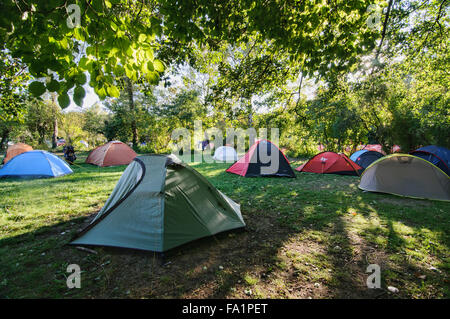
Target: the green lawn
(312, 236)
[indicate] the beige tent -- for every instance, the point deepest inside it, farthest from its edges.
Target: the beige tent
(111, 154)
(406, 175)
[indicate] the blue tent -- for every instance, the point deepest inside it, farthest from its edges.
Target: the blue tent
(366, 158)
(355, 155)
(35, 164)
(437, 155)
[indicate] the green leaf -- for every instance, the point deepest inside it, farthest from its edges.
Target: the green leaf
(37, 68)
(113, 91)
(150, 66)
(79, 92)
(149, 54)
(152, 77)
(129, 72)
(81, 78)
(53, 86)
(37, 88)
(158, 65)
(101, 92)
(130, 51)
(83, 64)
(78, 34)
(79, 95)
(63, 100)
(142, 37)
(97, 5)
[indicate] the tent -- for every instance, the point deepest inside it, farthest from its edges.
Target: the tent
(330, 163)
(61, 142)
(15, 150)
(375, 147)
(262, 159)
(84, 143)
(437, 155)
(406, 175)
(158, 204)
(225, 154)
(365, 158)
(355, 155)
(35, 164)
(372, 147)
(396, 149)
(111, 154)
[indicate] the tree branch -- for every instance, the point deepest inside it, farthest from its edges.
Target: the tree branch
(383, 33)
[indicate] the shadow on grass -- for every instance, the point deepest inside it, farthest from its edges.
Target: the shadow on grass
(277, 212)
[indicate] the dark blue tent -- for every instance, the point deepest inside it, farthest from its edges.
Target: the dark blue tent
(364, 159)
(35, 164)
(437, 155)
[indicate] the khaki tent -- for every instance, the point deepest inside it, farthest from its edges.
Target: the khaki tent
(406, 175)
(159, 204)
(15, 150)
(111, 154)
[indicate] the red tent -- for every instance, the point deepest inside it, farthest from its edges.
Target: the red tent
(252, 165)
(330, 163)
(396, 148)
(375, 147)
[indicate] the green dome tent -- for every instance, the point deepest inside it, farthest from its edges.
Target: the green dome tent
(158, 204)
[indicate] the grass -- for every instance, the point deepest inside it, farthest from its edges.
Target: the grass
(312, 236)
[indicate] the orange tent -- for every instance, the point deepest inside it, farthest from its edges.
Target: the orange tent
(15, 150)
(111, 154)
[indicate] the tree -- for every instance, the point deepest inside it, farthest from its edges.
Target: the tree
(13, 78)
(94, 119)
(184, 109)
(39, 119)
(71, 124)
(132, 110)
(128, 113)
(116, 38)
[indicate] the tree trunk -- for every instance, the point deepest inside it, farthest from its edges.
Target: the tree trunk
(41, 132)
(55, 124)
(132, 111)
(4, 139)
(383, 33)
(250, 113)
(55, 133)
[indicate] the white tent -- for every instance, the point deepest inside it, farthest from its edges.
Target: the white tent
(406, 175)
(225, 154)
